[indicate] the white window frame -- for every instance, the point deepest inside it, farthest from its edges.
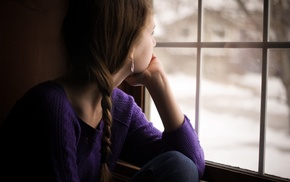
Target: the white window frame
(264, 45)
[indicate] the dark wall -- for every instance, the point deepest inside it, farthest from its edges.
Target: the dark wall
(31, 46)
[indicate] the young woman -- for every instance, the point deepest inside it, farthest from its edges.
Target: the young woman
(76, 127)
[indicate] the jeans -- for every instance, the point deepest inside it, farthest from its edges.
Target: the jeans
(170, 166)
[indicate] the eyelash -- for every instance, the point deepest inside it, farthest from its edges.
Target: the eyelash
(152, 33)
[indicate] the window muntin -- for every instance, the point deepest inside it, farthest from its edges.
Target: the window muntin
(237, 45)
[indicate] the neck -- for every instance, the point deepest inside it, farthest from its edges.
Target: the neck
(84, 97)
(122, 74)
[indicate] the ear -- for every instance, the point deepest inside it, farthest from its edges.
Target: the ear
(131, 53)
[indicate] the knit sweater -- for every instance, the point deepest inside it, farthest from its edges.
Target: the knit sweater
(43, 139)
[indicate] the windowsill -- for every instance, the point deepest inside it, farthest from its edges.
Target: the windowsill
(219, 172)
(213, 172)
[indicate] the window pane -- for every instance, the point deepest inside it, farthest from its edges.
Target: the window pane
(175, 20)
(180, 66)
(279, 20)
(232, 20)
(230, 106)
(277, 160)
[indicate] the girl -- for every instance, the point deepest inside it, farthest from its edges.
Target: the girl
(76, 127)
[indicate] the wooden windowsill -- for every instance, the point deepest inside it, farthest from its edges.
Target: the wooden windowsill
(213, 173)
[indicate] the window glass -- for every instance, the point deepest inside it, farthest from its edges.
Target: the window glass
(277, 158)
(232, 20)
(230, 106)
(175, 20)
(279, 20)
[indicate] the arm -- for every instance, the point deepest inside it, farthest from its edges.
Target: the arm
(161, 93)
(178, 132)
(155, 80)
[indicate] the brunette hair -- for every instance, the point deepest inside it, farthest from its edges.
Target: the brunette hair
(99, 35)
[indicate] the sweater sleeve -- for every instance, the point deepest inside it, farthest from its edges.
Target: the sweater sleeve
(144, 141)
(186, 141)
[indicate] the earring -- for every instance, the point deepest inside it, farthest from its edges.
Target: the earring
(132, 66)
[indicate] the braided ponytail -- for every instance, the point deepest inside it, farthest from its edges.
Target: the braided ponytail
(106, 143)
(105, 85)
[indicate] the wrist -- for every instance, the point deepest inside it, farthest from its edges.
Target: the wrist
(156, 82)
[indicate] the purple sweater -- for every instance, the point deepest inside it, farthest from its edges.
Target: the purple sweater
(43, 136)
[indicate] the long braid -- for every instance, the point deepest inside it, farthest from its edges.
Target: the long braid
(105, 85)
(106, 140)
(106, 143)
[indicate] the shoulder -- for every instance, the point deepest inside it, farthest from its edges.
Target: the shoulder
(120, 97)
(45, 90)
(124, 106)
(43, 96)
(44, 103)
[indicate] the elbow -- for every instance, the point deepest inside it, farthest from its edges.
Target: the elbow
(201, 168)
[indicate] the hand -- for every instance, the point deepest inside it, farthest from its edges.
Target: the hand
(147, 77)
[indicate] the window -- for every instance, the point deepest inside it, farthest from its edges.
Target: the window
(229, 67)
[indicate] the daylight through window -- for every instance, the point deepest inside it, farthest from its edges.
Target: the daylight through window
(228, 64)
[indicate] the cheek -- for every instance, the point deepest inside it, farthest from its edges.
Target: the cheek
(142, 58)
(142, 62)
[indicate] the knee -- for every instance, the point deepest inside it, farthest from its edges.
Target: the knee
(181, 161)
(182, 165)
(170, 166)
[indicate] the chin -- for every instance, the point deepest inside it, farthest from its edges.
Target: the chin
(139, 70)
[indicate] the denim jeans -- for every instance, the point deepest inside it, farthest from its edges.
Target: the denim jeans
(170, 166)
